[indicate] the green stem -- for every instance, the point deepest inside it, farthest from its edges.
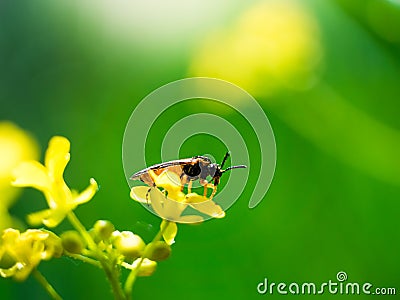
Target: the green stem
(133, 274)
(46, 285)
(84, 259)
(82, 230)
(106, 264)
(132, 278)
(113, 279)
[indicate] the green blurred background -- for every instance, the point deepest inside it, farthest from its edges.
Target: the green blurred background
(327, 74)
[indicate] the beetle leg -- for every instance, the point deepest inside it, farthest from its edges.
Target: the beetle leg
(204, 183)
(214, 191)
(184, 180)
(148, 192)
(206, 189)
(207, 185)
(147, 196)
(189, 188)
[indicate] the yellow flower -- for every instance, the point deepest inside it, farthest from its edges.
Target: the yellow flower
(147, 266)
(169, 230)
(129, 244)
(48, 179)
(26, 250)
(15, 146)
(174, 202)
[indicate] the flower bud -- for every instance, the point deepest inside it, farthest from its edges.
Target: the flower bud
(94, 235)
(6, 261)
(147, 267)
(103, 229)
(129, 244)
(72, 242)
(158, 251)
(53, 245)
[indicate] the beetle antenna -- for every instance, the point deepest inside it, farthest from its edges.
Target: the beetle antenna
(225, 158)
(234, 167)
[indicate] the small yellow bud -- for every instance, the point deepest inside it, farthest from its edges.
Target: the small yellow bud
(147, 267)
(128, 243)
(96, 238)
(6, 261)
(72, 242)
(103, 229)
(53, 245)
(158, 251)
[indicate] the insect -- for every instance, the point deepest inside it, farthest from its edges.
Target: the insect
(189, 169)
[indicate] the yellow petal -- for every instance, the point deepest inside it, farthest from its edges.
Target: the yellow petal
(10, 271)
(58, 195)
(57, 156)
(48, 217)
(177, 195)
(22, 271)
(10, 235)
(165, 207)
(147, 267)
(56, 217)
(169, 230)
(171, 182)
(209, 208)
(196, 198)
(168, 180)
(16, 145)
(157, 199)
(33, 174)
(139, 193)
(35, 234)
(173, 209)
(191, 219)
(37, 218)
(87, 194)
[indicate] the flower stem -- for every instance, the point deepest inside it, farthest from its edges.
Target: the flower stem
(113, 279)
(107, 265)
(84, 259)
(46, 285)
(82, 230)
(133, 274)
